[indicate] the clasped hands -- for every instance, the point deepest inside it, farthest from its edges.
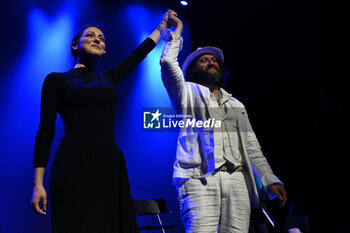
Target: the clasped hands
(170, 19)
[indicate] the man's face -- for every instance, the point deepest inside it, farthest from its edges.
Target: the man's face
(208, 71)
(208, 62)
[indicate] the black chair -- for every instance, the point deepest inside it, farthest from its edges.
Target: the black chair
(260, 219)
(152, 207)
(298, 221)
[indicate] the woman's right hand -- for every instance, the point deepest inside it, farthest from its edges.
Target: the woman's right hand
(39, 196)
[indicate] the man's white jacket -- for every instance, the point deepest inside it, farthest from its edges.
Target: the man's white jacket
(195, 148)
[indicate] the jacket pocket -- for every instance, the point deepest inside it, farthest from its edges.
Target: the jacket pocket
(188, 151)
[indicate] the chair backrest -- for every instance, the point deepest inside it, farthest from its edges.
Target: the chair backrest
(144, 207)
(162, 205)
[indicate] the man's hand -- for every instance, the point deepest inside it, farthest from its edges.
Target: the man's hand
(174, 21)
(280, 193)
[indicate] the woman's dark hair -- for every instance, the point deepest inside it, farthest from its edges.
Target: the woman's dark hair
(191, 74)
(77, 37)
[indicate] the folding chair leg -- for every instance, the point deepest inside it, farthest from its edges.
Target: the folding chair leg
(160, 222)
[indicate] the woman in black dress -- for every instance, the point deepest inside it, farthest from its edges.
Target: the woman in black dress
(90, 190)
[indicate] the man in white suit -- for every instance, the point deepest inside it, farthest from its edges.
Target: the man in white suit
(214, 167)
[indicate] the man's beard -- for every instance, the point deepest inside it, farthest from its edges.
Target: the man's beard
(209, 78)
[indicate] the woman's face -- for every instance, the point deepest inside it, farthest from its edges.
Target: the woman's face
(91, 43)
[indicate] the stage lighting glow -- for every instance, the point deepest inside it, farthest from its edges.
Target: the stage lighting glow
(184, 3)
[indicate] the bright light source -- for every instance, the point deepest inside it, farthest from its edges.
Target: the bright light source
(184, 3)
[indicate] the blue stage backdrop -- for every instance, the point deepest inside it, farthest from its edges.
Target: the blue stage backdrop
(42, 33)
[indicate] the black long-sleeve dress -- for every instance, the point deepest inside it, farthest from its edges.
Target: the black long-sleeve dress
(90, 190)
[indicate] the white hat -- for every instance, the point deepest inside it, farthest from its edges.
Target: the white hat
(200, 51)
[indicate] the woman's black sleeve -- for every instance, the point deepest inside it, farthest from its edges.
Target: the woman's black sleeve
(121, 71)
(46, 132)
